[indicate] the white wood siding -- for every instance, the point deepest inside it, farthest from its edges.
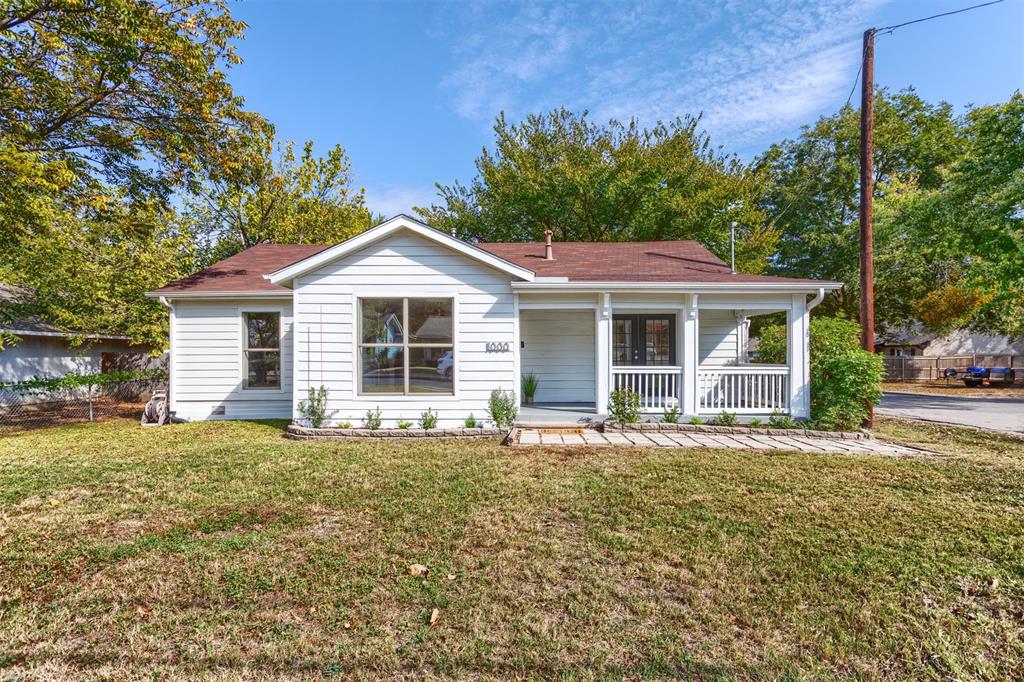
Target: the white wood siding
(560, 350)
(397, 266)
(207, 347)
(717, 338)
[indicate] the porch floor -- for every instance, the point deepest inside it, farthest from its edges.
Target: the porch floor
(559, 413)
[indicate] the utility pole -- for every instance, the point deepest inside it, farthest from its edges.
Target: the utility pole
(867, 189)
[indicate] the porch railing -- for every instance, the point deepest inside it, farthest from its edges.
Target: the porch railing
(658, 387)
(743, 389)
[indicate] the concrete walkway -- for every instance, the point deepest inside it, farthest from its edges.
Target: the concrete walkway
(664, 439)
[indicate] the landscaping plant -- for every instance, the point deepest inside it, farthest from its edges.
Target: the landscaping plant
(502, 408)
(845, 378)
(345, 425)
(696, 421)
(372, 420)
(670, 415)
(404, 424)
(314, 408)
(470, 422)
(781, 420)
(726, 419)
(529, 387)
(755, 422)
(624, 406)
(428, 419)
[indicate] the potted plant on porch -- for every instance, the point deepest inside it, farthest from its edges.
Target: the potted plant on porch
(529, 387)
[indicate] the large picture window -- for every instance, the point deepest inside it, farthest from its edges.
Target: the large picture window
(262, 350)
(406, 346)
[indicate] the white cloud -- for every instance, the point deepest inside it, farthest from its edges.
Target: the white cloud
(754, 68)
(391, 200)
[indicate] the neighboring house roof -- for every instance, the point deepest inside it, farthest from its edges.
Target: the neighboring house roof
(28, 324)
(264, 269)
(914, 336)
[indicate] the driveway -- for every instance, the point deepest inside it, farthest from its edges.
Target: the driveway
(997, 414)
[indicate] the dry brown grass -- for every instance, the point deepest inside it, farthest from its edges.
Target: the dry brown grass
(221, 550)
(956, 388)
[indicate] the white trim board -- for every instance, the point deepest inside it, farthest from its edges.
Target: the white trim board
(385, 229)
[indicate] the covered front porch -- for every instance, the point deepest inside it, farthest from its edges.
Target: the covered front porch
(676, 350)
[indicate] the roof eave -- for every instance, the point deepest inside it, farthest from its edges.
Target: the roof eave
(286, 293)
(679, 287)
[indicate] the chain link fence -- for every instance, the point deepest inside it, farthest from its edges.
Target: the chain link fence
(41, 403)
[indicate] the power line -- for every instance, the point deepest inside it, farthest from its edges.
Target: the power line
(890, 29)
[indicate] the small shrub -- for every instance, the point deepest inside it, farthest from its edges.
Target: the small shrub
(670, 415)
(404, 424)
(372, 419)
(428, 419)
(470, 422)
(314, 408)
(696, 421)
(781, 420)
(845, 378)
(726, 419)
(624, 406)
(345, 425)
(755, 423)
(530, 382)
(502, 408)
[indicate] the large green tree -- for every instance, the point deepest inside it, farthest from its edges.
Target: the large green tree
(615, 182)
(268, 192)
(107, 108)
(813, 193)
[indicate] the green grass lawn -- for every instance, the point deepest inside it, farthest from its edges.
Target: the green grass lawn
(222, 549)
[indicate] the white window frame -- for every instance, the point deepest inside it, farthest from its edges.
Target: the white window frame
(406, 395)
(243, 340)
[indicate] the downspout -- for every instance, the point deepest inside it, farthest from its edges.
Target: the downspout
(818, 298)
(170, 356)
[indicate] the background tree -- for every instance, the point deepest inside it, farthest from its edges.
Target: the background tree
(812, 194)
(258, 196)
(614, 182)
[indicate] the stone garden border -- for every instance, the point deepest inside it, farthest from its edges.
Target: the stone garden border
(735, 430)
(296, 432)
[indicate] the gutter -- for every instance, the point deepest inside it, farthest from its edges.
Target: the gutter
(818, 298)
(287, 293)
(680, 287)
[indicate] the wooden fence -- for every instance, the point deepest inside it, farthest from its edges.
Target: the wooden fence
(928, 368)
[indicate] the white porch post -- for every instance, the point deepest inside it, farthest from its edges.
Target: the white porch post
(603, 340)
(517, 353)
(798, 357)
(691, 320)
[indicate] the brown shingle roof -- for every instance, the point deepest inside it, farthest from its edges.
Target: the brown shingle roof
(667, 261)
(244, 271)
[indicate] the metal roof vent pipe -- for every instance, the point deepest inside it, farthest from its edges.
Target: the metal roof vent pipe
(549, 252)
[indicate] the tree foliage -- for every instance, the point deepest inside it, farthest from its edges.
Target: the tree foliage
(287, 197)
(614, 182)
(813, 191)
(845, 378)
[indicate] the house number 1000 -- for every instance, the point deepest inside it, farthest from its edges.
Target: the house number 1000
(498, 347)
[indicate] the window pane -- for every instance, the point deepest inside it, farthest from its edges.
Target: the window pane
(431, 370)
(383, 370)
(263, 369)
(622, 342)
(382, 320)
(658, 334)
(430, 320)
(262, 330)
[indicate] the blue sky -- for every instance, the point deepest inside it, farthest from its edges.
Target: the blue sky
(411, 89)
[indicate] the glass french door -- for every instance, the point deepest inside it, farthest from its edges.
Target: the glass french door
(643, 340)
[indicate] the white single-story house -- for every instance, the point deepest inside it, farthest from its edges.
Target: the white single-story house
(404, 318)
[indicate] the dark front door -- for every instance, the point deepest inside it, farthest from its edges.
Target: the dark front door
(644, 340)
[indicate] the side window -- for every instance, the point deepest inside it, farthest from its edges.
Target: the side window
(261, 350)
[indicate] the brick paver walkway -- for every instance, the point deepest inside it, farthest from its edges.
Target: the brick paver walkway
(668, 439)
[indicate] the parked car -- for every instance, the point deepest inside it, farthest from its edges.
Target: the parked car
(994, 376)
(444, 364)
